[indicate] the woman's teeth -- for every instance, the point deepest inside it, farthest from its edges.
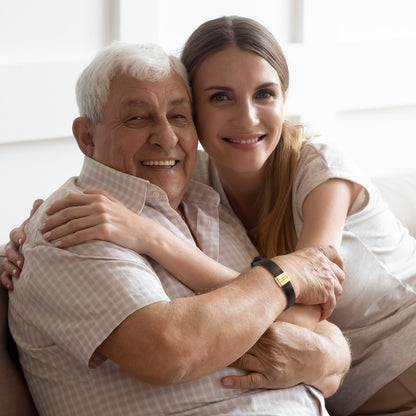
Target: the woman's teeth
(244, 141)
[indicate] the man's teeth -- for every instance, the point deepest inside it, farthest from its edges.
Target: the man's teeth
(242, 141)
(159, 162)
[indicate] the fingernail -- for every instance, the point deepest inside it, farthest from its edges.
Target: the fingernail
(14, 272)
(57, 243)
(19, 263)
(8, 286)
(20, 241)
(47, 235)
(227, 382)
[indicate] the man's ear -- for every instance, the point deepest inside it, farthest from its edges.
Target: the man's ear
(83, 131)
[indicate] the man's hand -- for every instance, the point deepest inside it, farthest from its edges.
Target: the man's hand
(316, 275)
(287, 355)
(13, 263)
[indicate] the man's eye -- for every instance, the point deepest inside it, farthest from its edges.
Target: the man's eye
(219, 96)
(136, 118)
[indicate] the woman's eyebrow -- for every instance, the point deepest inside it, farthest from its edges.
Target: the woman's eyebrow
(268, 84)
(218, 87)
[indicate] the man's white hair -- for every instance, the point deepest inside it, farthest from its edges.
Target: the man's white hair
(143, 62)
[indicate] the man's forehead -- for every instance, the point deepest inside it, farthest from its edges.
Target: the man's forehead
(142, 93)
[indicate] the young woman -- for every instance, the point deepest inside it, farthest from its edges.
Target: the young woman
(289, 192)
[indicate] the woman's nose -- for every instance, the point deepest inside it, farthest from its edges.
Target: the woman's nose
(247, 113)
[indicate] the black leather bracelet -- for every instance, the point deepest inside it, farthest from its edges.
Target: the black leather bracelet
(280, 277)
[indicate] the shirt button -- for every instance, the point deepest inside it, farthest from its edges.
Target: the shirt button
(156, 194)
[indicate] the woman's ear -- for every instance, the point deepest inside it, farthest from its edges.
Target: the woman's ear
(83, 130)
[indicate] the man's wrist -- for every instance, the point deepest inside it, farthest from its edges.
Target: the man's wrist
(280, 277)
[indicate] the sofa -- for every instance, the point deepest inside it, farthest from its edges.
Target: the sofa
(398, 191)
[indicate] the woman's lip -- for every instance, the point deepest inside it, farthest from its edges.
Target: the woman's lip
(244, 139)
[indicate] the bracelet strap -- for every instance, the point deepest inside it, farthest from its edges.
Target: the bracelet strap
(280, 277)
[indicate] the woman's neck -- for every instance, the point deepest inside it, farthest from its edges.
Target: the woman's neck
(243, 191)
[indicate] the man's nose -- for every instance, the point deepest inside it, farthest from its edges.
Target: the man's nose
(164, 135)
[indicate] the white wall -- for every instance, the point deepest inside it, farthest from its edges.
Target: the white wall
(352, 76)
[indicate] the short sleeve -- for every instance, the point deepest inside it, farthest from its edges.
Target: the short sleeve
(78, 296)
(318, 163)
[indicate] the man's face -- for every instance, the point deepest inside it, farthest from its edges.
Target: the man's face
(147, 130)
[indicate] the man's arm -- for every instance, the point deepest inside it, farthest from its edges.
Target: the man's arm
(188, 338)
(287, 355)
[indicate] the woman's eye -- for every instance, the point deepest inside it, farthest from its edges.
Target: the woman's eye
(219, 96)
(265, 94)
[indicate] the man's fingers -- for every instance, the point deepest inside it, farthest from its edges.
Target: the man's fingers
(333, 255)
(249, 381)
(247, 362)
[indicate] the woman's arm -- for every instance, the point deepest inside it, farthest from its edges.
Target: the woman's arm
(325, 210)
(95, 215)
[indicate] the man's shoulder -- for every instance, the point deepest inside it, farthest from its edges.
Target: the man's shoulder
(40, 215)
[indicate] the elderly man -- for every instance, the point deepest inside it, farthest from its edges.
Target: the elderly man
(103, 330)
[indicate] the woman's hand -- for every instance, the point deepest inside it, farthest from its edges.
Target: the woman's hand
(13, 263)
(95, 215)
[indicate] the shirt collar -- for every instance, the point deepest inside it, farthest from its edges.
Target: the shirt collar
(135, 192)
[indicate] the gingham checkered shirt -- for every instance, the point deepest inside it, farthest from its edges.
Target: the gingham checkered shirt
(67, 302)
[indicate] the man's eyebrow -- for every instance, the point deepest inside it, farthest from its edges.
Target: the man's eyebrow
(134, 103)
(179, 101)
(141, 103)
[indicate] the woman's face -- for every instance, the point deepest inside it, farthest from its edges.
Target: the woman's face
(238, 109)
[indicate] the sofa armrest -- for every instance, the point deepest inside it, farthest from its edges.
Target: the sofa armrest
(15, 399)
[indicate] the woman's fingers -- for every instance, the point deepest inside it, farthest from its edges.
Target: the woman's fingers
(76, 200)
(66, 216)
(6, 281)
(70, 234)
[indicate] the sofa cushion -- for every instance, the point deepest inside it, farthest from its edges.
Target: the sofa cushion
(399, 192)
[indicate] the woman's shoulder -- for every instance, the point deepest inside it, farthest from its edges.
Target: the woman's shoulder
(322, 160)
(325, 159)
